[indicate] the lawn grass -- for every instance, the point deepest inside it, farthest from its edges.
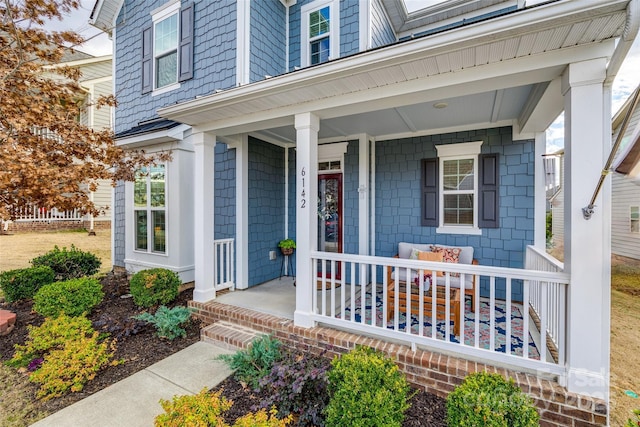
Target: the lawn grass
(16, 405)
(16, 250)
(625, 340)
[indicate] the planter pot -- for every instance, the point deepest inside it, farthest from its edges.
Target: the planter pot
(286, 251)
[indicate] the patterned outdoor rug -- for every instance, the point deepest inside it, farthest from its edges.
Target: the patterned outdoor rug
(469, 325)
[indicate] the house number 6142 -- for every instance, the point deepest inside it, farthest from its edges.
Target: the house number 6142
(303, 194)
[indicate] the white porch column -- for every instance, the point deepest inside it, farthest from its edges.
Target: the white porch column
(203, 191)
(540, 204)
(307, 127)
(363, 194)
(587, 257)
(242, 212)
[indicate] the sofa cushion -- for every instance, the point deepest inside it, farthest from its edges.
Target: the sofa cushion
(433, 257)
(404, 250)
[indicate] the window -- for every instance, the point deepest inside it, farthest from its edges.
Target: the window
(634, 219)
(320, 32)
(149, 206)
(460, 189)
(167, 48)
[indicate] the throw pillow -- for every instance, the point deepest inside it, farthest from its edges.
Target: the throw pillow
(432, 256)
(414, 253)
(451, 255)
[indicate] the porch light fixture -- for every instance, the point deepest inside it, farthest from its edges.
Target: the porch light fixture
(440, 105)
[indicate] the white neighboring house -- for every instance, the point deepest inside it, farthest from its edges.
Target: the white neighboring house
(625, 200)
(96, 80)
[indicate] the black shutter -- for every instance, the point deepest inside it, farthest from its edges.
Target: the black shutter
(429, 190)
(488, 191)
(185, 55)
(147, 59)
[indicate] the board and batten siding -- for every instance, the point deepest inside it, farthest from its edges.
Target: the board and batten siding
(625, 193)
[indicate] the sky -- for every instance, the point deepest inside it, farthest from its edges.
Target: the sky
(626, 80)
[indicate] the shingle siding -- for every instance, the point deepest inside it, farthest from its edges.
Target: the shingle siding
(118, 225)
(268, 39)
(398, 198)
(214, 58)
(349, 27)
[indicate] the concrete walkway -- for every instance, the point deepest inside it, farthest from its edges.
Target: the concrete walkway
(134, 401)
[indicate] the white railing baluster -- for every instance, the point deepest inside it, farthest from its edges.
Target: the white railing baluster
(548, 287)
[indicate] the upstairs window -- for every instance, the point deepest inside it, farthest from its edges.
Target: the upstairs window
(320, 32)
(167, 48)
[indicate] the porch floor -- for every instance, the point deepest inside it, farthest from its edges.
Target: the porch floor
(278, 298)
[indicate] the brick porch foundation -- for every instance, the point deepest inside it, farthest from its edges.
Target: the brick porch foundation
(433, 372)
(37, 226)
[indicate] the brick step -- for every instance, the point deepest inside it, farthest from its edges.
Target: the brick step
(7, 322)
(228, 335)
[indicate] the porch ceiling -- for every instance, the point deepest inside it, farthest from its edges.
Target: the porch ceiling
(492, 72)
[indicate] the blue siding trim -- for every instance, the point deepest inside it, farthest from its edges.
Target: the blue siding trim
(214, 58)
(267, 39)
(225, 192)
(266, 209)
(349, 28)
(398, 198)
(381, 29)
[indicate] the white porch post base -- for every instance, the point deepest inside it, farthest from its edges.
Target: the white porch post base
(307, 127)
(203, 295)
(203, 239)
(588, 383)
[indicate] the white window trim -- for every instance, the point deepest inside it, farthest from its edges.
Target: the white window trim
(166, 10)
(631, 219)
(465, 150)
(148, 209)
(334, 31)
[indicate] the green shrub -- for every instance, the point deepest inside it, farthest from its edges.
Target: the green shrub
(263, 419)
(167, 321)
(155, 286)
(256, 361)
(203, 409)
(634, 422)
(65, 353)
(73, 297)
(366, 390)
(490, 400)
(206, 410)
(25, 282)
(72, 366)
(69, 264)
(52, 334)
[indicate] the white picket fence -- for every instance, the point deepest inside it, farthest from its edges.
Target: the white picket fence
(38, 214)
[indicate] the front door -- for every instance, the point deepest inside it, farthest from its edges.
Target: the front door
(330, 216)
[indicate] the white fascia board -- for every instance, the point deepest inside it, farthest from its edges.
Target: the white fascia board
(166, 135)
(100, 14)
(437, 43)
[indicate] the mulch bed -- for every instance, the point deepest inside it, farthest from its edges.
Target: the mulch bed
(137, 351)
(144, 348)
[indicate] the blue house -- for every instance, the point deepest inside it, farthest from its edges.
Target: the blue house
(355, 126)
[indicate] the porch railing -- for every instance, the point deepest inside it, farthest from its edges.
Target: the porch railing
(224, 264)
(36, 213)
(353, 294)
(547, 300)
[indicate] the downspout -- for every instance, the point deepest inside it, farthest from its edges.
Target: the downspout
(622, 49)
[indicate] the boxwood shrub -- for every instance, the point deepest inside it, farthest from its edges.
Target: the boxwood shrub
(366, 390)
(69, 263)
(485, 399)
(25, 282)
(155, 286)
(73, 297)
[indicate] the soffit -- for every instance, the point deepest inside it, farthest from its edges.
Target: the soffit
(343, 86)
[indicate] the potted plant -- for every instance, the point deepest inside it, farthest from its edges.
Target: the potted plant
(287, 246)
